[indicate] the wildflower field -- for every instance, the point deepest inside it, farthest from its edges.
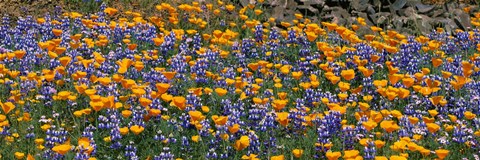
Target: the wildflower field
(214, 80)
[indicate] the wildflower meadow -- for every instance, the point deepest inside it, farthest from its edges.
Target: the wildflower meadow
(214, 80)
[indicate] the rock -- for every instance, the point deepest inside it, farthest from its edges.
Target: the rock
(291, 4)
(398, 22)
(411, 16)
(398, 4)
(377, 3)
(278, 12)
(381, 20)
(313, 2)
(424, 24)
(412, 3)
(340, 21)
(370, 9)
(424, 8)
(375, 17)
(386, 14)
(449, 24)
(463, 21)
(439, 12)
(409, 12)
(372, 18)
(359, 5)
(339, 11)
(451, 6)
(309, 8)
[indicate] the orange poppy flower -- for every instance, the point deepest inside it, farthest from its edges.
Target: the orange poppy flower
(139, 65)
(220, 91)
(7, 107)
(433, 112)
(344, 86)
(436, 100)
(366, 72)
(110, 11)
(220, 120)
(158, 41)
(162, 87)
(234, 128)
(104, 80)
(63, 95)
(279, 157)
(380, 83)
(389, 126)
(242, 143)
(96, 105)
(442, 153)
(392, 70)
(469, 115)
(124, 65)
(403, 93)
(154, 112)
(297, 75)
(348, 74)
(334, 79)
(132, 47)
(391, 49)
(333, 155)
(446, 74)
(297, 153)
(169, 75)
(250, 157)
(65, 60)
(19, 155)
(369, 37)
(437, 62)
(139, 92)
(394, 78)
(433, 127)
(369, 125)
(124, 130)
(425, 91)
(144, 101)
(311, 36)
(282, 118)
(363, 106)
(179, 102)
(126, 113)
(136, 129)
(84, 142)
(351, 154)
(408, 82)
(460, 81)
(391, 95)
(282, 95)
(196, 116)
(19, 54)
(62, 149)
(279, 104)
(57, 32)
